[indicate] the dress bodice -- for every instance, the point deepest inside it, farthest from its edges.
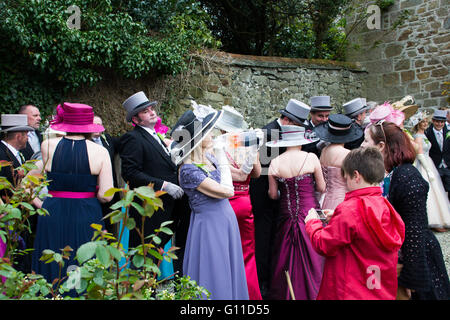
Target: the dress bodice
(70, 168)
(426, 144)
(334, 179)
(297, 195)
(191, 176)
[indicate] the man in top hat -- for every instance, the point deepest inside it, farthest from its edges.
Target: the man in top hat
(34, 137)
(265, 209)
(356, 110)
(14, 129)
(440, 146)
(146, 160)
(320, 110)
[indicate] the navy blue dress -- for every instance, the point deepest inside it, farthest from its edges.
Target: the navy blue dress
(69, 219)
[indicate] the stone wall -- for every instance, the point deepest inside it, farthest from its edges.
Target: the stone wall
(410, 60)
(260, 86)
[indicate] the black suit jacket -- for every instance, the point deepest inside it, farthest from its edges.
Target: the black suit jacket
(8, 171)
(311, 147)
(435, 152)
(28, 151)
(144, 161)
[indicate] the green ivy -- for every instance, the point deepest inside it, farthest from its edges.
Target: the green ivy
(43, 59)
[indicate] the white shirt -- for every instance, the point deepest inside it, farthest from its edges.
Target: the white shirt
(98, 141)
(15, 152)
(156, 137)
(33, 140)
(440, 139)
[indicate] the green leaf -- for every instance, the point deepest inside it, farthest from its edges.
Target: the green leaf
(131, 224)
(138, 261)
(103, 256)
(86, 251)
(117, 254)
(165, 223)
(166, 230)
(111, 191)
(27, 205)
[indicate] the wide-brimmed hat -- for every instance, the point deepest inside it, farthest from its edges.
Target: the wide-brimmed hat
(293, 136)
(321, 103)
(354, 107)
(417, 118)
(136, 103)
(231, 120)
(14, 123)
(188, 135)
(388, 113)
(338, 129)
(440, 115)
(407, 106)
(75, 117)
(296, 111)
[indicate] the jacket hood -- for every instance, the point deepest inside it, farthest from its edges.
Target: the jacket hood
(386, 227)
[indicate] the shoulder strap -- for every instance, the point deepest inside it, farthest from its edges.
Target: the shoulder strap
(298, 173)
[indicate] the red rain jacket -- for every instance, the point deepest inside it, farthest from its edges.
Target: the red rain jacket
(361, 244)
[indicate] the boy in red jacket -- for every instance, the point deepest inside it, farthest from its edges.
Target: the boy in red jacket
(363, 236)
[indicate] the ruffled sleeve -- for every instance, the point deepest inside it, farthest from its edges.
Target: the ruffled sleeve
(191, 176)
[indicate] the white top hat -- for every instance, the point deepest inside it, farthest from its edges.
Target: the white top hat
(321, 103)
(15, 122)
(293, 136)
(231, 120)
(136, 103)
(355, 107)
(296, 111)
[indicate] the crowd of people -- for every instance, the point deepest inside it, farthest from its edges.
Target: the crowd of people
(314, 205)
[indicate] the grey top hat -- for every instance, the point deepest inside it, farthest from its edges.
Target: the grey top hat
(321, 103)
(136, 103)
(440, 115)
(293, 136)
(15, 122)
(296, 111)
(355, 107)
(231, 120)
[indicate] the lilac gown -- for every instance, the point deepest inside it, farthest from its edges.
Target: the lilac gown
(213, 255)
(293, 250)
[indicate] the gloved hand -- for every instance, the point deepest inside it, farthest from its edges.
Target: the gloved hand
(423, 161)
(225, 173)
(247, 166)
(260, 136)
(172, 189)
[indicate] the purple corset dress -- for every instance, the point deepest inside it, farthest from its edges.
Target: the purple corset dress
(293, 251)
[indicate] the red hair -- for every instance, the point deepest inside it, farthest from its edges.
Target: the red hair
(398, 146)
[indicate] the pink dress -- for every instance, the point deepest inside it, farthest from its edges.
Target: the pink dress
(242, 207)
(336, 187)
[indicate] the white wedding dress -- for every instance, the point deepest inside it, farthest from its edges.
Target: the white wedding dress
(438, 207)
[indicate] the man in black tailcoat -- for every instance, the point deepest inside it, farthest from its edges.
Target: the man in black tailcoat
(265, 210)
(146, 159)
(440, 146)
(34, 137)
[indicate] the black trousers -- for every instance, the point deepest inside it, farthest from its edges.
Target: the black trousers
(265, 212)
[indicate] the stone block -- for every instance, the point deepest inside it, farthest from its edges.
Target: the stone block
(213, 97)
(423, 75)
(390, 79)
(413, 87)
(393, 50)
(442, 39)
(404, 35)
(382, 66)
(403, 64)
(419, 63)
(432, 86)
(410, 3)
(407, 76)
(441, 72)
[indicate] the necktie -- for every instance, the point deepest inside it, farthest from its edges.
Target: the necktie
(20, 157)
(440, 139)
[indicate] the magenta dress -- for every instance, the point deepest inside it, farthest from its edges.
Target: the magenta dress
(293, 250)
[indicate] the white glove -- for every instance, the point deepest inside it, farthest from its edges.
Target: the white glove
(172, 189)
(225, 172)
(425, 164)
(260, 136)
(247, 166)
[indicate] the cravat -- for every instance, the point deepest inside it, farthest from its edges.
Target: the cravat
(155, 135)
(20, 157)
(440, 139)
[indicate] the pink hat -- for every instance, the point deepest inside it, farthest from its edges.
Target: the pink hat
(75, 117)
(388, 113)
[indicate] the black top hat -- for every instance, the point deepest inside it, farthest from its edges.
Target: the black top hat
(338, 129)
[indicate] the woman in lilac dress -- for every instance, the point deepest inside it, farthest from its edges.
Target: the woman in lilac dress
(294, 177)
(213, 254)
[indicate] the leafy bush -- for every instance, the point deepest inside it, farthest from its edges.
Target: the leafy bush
(44, 58)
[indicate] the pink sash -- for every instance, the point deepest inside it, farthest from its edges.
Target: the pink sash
(72, 195)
